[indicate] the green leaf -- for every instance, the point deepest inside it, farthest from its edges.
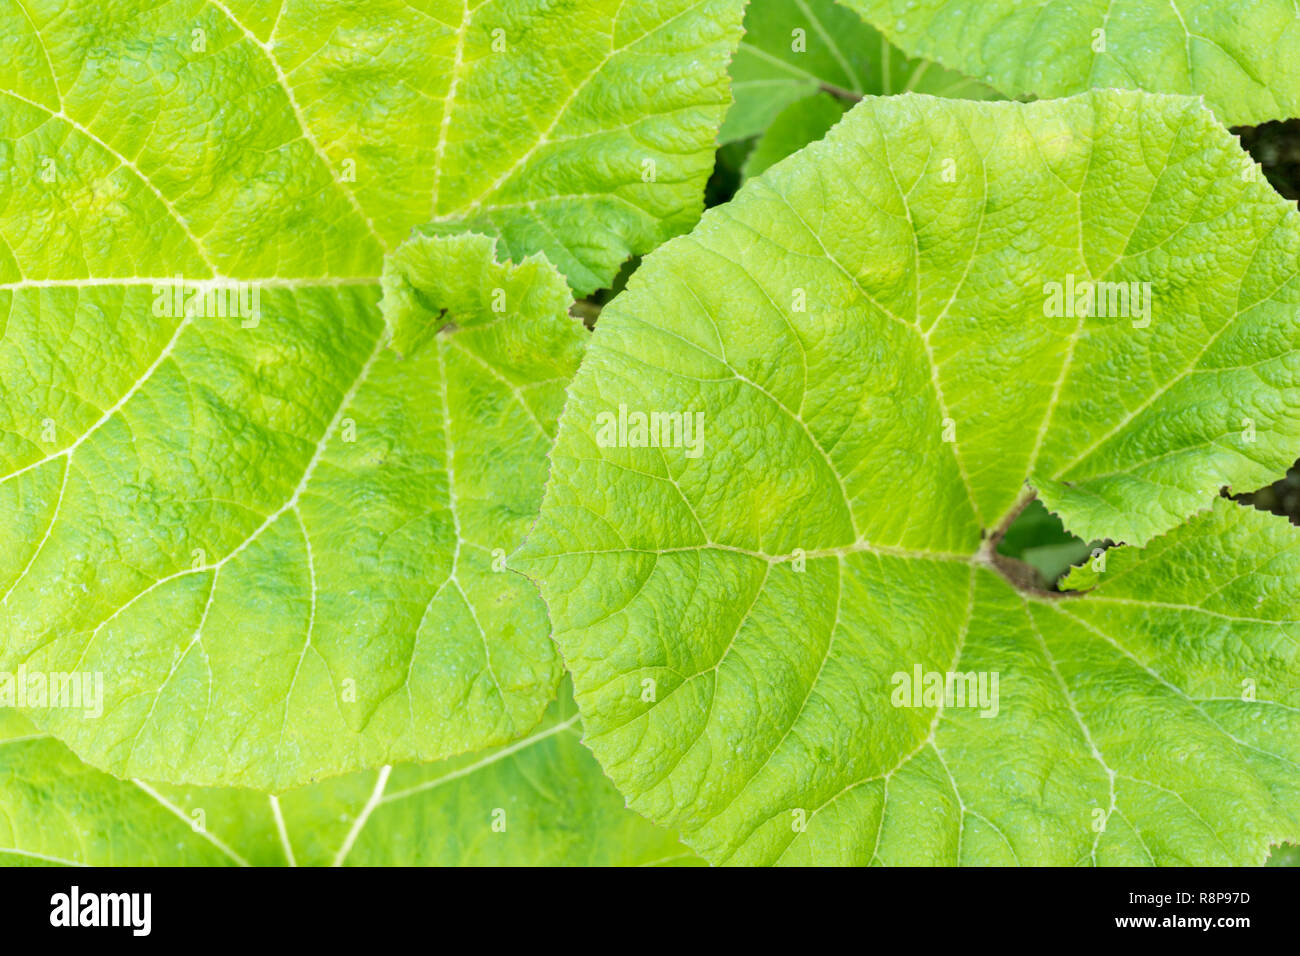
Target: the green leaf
(799, 124)
(863, 330)
(603, 161)
(327, 129)
(1285, 854)
(1245, 61)
(279, 540)
(547, 798)
(286, 558)
(793, 48)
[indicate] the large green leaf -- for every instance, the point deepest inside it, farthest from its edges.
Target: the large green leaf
(540, 801)
(591, 134)
(863, 330)
(276, 536)
(306, 139)
(793, 48)
(277, 543)
(1243, 58)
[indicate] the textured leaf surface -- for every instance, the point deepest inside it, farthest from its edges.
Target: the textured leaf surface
(1243, 58)
(591, 136)
(330, 128)
(274, 541)
(277, 539)
(546, 790)
(793, 48)
(734, 621)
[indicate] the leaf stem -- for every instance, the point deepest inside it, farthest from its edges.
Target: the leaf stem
(841, 93)
(1000, 530)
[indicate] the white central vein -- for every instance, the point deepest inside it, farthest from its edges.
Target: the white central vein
(449, 102)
